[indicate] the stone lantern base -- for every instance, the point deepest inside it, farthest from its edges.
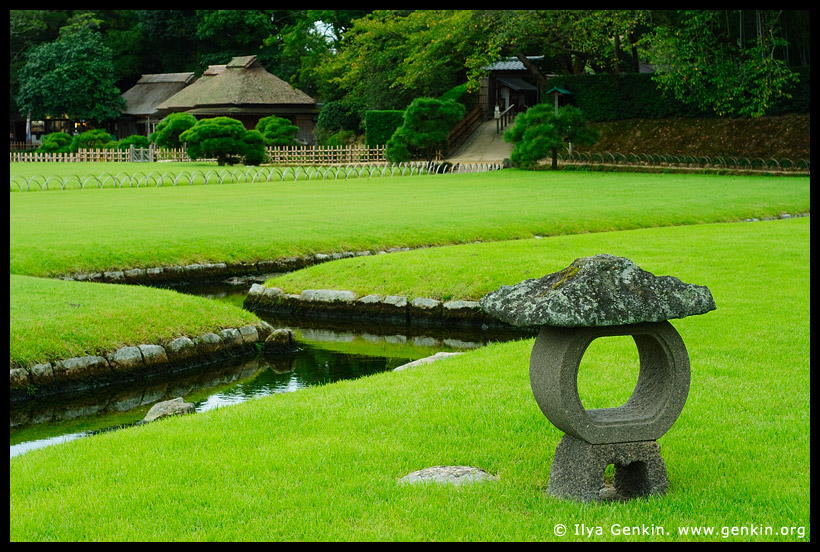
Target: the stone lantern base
(578, 470)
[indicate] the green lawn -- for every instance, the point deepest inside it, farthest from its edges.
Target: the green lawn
(52, 320)
(322, 464)
(53, 232)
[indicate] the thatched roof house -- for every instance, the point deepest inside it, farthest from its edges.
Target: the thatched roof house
(141, 113)
(244, 90)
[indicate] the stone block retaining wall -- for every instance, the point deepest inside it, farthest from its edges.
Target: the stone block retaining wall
(324, 303)
(134, 362)
(202, 272)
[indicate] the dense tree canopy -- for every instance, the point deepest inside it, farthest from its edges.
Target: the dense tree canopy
(71, 76)
(704, 59)
(734, 61)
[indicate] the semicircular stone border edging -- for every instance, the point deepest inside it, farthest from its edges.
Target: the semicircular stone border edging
(130, 362)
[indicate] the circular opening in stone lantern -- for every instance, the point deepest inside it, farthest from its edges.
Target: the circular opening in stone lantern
(652, 408)
(608, 372)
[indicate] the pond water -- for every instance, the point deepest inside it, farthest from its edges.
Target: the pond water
(327, 352)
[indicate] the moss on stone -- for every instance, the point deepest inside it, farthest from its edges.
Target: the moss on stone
(566, 274)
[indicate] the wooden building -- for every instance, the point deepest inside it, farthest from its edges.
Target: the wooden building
(245, 91)
(141, 113)
(510, 83)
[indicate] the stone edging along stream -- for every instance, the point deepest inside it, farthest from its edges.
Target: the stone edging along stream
(203, 272)
(145, 360)
(134, 362)
(397, 309)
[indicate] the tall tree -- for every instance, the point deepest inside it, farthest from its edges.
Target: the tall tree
(230, 33)
(72, 76)
(173, 38)
(304, 40)
(27, 30)
(391, 57)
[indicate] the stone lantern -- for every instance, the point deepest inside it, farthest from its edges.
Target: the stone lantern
(596, 297)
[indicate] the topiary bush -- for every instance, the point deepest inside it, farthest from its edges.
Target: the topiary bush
(277, 131)
(254, 148)
(540, 131)
(136, 140)
(92, 139)
(166, 135)
(427, 125)
(341, 138)
(56, 142)
(222, 138)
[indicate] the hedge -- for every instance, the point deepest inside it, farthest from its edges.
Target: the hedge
(381, 124)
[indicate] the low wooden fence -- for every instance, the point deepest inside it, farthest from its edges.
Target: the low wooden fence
(296, 155)
(83, 155)
(325, 155)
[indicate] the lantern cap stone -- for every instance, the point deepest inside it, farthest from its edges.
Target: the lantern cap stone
(602, 290)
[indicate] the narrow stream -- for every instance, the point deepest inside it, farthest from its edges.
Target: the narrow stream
(327, 352)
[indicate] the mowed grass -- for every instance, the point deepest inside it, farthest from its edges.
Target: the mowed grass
(323, 464)
(63, 232)
(50, 320)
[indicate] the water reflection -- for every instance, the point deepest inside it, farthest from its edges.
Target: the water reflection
(328, 351)
(214, 386)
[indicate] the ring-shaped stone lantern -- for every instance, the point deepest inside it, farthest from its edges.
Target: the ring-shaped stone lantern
(596, 297)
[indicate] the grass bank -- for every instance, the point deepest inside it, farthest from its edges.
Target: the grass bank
(323, 464)
(51, 320)
(470, 271)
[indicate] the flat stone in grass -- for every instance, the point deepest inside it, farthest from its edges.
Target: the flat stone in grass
(455, 475)
(602, 290)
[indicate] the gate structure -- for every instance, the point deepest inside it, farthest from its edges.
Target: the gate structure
(142, 155)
